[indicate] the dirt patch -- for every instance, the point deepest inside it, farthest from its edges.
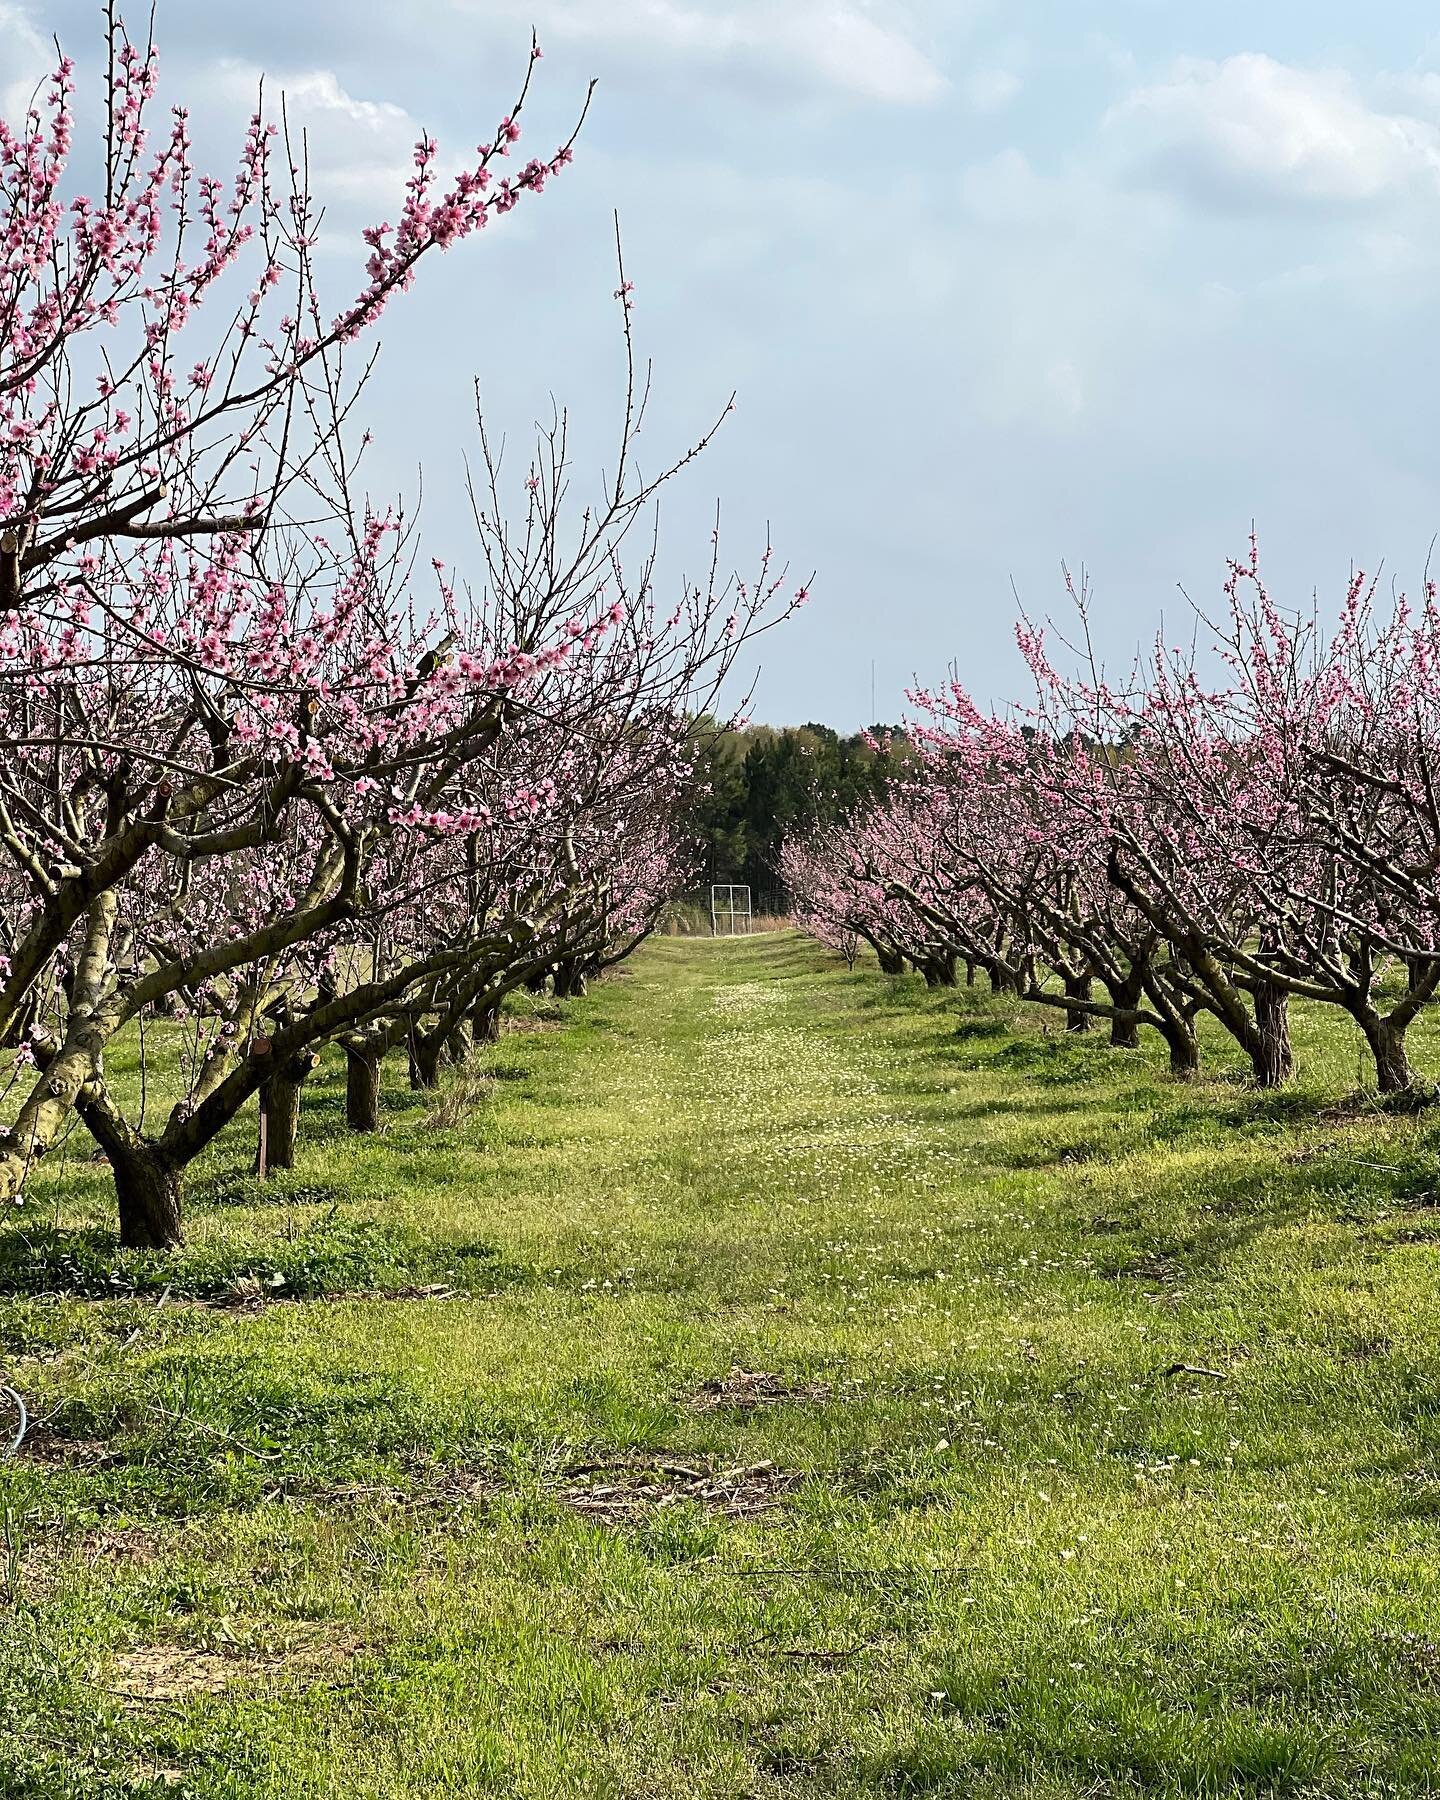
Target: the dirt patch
(430, 1486)
(116, 1547)
(44, 1445)
(157, 1674)
(166, 1673)
(745, 1390)
(630, 1488)
(534, 1022)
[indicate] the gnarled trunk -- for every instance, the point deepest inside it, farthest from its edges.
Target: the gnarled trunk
(1393, 1074)
(149, 1187)
(280, 1111)
(1078, 987)
(569, 981)
(362, 1089)
(1272, 1058)
(1125, 1031)
(1184, 1048)
(150, 1193)
(485, 1023)
(427, 1054)
(1125, 1021)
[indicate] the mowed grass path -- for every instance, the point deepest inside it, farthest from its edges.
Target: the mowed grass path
(1103, 1442)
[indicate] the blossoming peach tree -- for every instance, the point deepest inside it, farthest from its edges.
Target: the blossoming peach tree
(1235, 824)
(253, 781)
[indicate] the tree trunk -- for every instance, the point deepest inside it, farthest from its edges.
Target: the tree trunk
(1271, 1057)
(535, 984)
(891, 961)
(280, 1103)
(1125, 1031)
(969, 971)
(485, 1023)
(362, 1089)
(149, 1192)
(1393, 1074)
(1184, 1048)
(149, 1187)
(1125, 1021)
(1077, 987)
(427, 1051)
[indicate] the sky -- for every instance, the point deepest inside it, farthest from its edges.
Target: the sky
(998, 287)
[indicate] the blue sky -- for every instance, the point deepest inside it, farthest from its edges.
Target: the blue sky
(997, 285)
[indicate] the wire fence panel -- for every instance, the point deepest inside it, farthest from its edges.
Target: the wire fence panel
(730, 914)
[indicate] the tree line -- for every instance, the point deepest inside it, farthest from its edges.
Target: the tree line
(758, 785)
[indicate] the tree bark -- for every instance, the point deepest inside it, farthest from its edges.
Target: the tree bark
(362, 1089)
(149, 1187)
(485, 1023)
(427, 1052)
(1077, 987)
(1393, 1074)
(280, 1102)
(1125, 1023)
(1125, 1031)
(1184, 1047)
(150, 1194)
(1271, 1057)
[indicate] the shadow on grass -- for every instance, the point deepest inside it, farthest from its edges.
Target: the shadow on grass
(328, 1255)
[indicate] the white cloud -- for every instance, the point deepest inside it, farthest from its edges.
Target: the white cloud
(360, 152)
(863, 47)
(1252, 132)
(25, 60)
(990, 90)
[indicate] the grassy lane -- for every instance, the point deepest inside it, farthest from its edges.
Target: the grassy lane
(778, 1382)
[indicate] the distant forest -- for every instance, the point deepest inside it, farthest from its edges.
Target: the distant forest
(759, 784)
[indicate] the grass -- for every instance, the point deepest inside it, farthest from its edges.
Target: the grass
(361, 1494)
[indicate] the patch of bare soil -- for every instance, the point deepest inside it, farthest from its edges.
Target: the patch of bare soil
(431, 1486)
(625, 1489)
(747, 1390)
(550, 1019)
(46, 1446)
(157, 1674)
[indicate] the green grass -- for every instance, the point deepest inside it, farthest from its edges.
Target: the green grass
(286, 1529)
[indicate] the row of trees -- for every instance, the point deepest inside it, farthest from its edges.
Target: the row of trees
(265, 787)
(1249, 819)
